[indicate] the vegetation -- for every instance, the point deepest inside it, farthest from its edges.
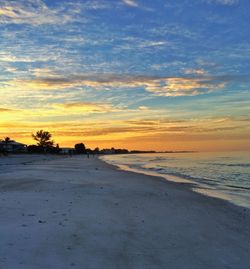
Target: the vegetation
(80, 148)
(43, 139)
(45, 144)
(6, 140)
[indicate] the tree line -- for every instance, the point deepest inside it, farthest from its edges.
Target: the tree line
(45, 144)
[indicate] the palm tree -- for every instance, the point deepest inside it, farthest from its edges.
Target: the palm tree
(7, 140)
(43, 139)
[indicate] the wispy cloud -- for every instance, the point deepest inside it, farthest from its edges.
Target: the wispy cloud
(135, 128)
(85, 107)
(7, 57)
(131, 3)
(180, 86)
(191, 71)
(224, 2)
(2, 109)
(37, 12)
(161, 86)
(34, 12)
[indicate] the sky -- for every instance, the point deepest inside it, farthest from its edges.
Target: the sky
(136, 74)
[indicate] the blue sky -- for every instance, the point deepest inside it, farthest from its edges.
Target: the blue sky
(72, 63)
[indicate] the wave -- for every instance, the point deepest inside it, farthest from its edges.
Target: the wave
(219, 173)
(238, 187)
(231, 164)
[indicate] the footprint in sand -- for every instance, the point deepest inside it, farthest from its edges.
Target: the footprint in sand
(42, 221)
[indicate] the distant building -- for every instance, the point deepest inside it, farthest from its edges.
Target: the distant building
(12, 147)
(108, 151)
(114, 151)
(67, 150)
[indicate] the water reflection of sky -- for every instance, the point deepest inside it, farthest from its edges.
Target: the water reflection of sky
(224, 175)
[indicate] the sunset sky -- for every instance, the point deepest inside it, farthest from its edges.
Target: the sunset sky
(160, 75)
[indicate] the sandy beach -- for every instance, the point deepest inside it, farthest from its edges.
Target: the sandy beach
(80, 213)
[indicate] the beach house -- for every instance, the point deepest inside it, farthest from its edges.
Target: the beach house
(12, 146)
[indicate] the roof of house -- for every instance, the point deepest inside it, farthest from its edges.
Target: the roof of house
(12, 142)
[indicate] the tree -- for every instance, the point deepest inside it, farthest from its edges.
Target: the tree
(80, 148)
(43, 139)
(7, 140)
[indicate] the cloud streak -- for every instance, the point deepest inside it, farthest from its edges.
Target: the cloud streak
(131, 3)
(5, 110)
(224, 2)
(160, 86)
(33, 12)
(85, 107)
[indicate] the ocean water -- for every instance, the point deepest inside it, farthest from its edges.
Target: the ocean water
(224, 175)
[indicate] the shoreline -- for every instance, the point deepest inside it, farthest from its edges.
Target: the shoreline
(182, 183)
(85, 213)
(202, 188)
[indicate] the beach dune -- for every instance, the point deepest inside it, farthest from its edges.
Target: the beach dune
(83, 213)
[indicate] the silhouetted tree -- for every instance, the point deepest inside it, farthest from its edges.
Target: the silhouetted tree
(80, 148)
(7, 140)
(43, 139)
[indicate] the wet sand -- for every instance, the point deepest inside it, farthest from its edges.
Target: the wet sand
(83, 213)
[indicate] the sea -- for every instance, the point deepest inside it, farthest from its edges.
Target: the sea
(224, 175)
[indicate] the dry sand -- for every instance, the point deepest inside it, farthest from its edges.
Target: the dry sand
(83, 213)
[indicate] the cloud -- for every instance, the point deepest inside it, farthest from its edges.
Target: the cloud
(34, 12)
(14, 59)
(160, 86)
(148, 44)
(180, 86)
(156, 122)
(130, 43)
(150, 130)
(2, 109)
(174, 29)
(118, 128)
(37, 12)
(143, 108)
(86, 107)
(131, 3)
(224, 2)
(57, 110)
(191, 71)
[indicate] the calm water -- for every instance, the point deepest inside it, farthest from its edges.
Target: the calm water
(225, 175)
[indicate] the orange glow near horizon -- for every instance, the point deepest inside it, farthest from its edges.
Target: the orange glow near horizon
(164, 82)
(141, 134)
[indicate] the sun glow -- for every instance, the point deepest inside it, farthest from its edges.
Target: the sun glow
(138, 77)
